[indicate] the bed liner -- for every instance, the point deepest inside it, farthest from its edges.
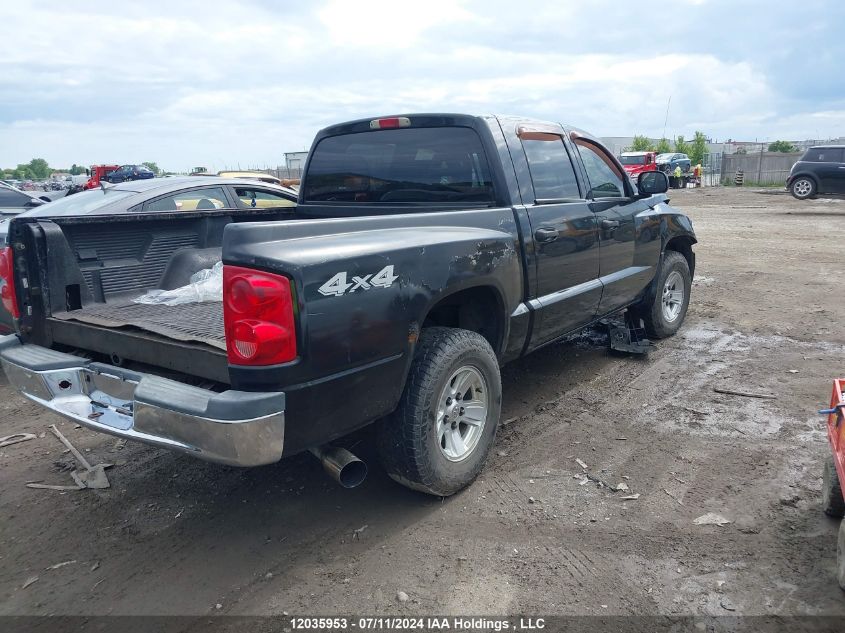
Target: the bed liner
(189, 322)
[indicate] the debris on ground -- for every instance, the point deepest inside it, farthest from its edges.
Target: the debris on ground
(620, 487)
(744, 394)
(531, 500)
(17, 438)
(581, 463)
(357, 533)
(51, 487)
(673, 496)
(29, 581)
(95, 566)
(632, 497)
(91, 476)
(711, 518)
(58, 565)
(401, 596)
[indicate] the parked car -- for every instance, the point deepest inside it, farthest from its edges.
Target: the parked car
(667, 162)
(14, 200)
(425, 251)
(129, 172)
(820, 170)
(159, 195)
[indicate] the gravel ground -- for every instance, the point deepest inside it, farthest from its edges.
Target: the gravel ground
(178, 536)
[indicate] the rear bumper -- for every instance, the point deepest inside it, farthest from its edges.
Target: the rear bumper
(233, 427)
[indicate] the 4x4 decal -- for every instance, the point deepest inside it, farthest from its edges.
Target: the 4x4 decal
(338, 284)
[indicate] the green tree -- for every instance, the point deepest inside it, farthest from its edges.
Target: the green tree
(681, 146)
(23, 172)
(698, 148)
(782, 146)
(39, 168)
(642, 144)
(663, 146)
(152, 167)
(76, 170)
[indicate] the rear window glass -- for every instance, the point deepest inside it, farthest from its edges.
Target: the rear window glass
(551, 169)
(433, 165)
(81, 203)
(632, 160)
(824, 155)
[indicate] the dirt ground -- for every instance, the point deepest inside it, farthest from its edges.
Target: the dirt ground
(178, 536)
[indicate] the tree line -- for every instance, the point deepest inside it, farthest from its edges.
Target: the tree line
(695, 149)
(39, 169)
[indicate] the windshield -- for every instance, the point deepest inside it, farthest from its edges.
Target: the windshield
(80, 203)
(432, 165)
(664, 158)
(633, 160)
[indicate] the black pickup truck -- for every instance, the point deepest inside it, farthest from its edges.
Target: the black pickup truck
(425, 251)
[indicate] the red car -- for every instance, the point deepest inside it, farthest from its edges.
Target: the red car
(637, 162)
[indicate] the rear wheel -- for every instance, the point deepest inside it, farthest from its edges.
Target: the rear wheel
(665, 310)
(439, 437)
(803, 188)
(832, 501)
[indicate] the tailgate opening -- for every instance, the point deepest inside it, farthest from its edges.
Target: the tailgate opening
(83, 274)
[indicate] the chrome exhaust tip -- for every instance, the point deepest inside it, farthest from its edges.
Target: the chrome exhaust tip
(341, 465)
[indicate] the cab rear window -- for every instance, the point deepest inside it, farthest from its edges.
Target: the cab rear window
(408, 165)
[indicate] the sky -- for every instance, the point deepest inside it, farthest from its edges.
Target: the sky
(228, 84)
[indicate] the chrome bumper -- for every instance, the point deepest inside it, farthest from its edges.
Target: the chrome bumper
(238, 428)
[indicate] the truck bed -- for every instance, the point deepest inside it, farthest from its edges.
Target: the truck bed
(190, 322)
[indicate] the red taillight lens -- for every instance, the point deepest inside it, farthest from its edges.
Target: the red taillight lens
(390, 122)
(7, 282)
(259, 317)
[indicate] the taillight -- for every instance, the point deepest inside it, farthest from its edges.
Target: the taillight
(258, 316)
(390, 122)
(7, 282)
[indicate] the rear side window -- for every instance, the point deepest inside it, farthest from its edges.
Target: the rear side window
(262, 199)
(430, 165)
(551, 168)
(207, 199)
(823, 155)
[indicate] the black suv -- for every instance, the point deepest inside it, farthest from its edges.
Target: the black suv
(820, 170)
(129, 172)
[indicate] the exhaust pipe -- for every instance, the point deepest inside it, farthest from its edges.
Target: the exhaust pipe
(341, 465)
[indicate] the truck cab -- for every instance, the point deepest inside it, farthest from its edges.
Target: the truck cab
(99, 173)
(635, 163)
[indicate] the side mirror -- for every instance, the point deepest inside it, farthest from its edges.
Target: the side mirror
(35, 202)
(652, 182)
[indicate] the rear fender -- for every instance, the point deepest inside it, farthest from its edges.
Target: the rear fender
(362, 297)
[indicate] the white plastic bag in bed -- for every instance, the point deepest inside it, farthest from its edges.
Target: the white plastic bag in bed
(205, 285)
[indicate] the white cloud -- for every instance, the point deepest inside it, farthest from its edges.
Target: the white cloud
(185, 84)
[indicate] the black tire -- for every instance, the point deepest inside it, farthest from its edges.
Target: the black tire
(832, 501)
(803, 187)
(408, 440)
(657, 325)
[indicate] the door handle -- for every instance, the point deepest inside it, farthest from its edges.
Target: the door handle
(545, 234)
(610, 224)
